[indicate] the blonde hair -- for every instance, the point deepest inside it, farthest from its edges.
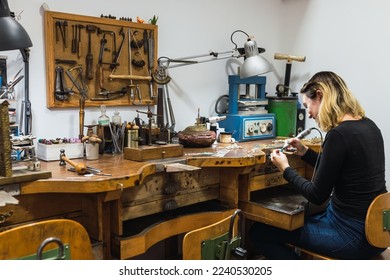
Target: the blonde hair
(337, 99)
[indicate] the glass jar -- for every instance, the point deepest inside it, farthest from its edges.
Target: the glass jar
(103, 119)
(116, 119)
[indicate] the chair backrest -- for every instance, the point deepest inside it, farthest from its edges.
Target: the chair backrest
(24, 241)
(378, 216)
(192, 242)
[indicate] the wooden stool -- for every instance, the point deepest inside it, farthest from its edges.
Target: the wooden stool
(377, 227)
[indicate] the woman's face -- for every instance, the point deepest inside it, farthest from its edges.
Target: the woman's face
(312, 105)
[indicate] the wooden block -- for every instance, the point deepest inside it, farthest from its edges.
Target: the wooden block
(179, 167)
(143, 153)
(22, 176)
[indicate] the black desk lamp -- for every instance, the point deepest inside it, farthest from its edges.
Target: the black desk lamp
(14, 37)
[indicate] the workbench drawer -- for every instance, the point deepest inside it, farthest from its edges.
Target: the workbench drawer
(162, 203)
(269, 180)
(167, 191)
(279, 206)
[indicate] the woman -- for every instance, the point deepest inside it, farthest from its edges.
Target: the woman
(350, 172)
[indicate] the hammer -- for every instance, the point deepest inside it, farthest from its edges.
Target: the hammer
(80, 168)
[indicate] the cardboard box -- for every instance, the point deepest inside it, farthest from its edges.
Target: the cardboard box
(52, 152)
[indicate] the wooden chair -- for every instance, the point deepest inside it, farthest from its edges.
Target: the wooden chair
(24, 241)
(194, 240)
(140, 243)
(377, 218)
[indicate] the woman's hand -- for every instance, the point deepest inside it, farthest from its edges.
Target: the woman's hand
(279, 159)
(298, 145)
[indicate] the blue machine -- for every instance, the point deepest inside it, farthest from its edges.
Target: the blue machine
(248, 125)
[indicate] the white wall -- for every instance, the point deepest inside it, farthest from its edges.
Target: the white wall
(348, 37)
(185, 28)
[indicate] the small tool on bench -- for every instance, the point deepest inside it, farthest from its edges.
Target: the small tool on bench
(80, 168)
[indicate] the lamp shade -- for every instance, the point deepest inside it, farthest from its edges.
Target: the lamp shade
(12, 35)
(254, 64)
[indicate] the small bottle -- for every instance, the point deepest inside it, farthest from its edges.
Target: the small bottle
(134, 136)
(116, 119)
(12, 115)
(103, 119)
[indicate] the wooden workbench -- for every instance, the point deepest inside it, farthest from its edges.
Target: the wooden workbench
(137, 190)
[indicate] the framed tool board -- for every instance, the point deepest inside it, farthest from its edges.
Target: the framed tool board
(101, 60)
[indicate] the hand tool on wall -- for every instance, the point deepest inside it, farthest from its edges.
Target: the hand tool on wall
(62, 28)
(89, 57)
(150, 49)
(103, 48)
(74, 38)
(130, 76)
(113, 35)
(134, 89)
(79, 46)
(61, 92)
(117, 53)
(146, 40)
(78, 80)
(65, 37)
(137, 43)
(58, 30)
(110, 95)
(65, 61)
(100, 72)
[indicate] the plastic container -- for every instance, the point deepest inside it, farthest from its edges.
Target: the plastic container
(285, 110)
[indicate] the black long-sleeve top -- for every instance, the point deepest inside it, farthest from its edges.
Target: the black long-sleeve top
(351, 165)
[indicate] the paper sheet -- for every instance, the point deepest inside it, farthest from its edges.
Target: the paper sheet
(6, 198)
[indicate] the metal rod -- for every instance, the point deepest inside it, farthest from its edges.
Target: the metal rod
(186, 60)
